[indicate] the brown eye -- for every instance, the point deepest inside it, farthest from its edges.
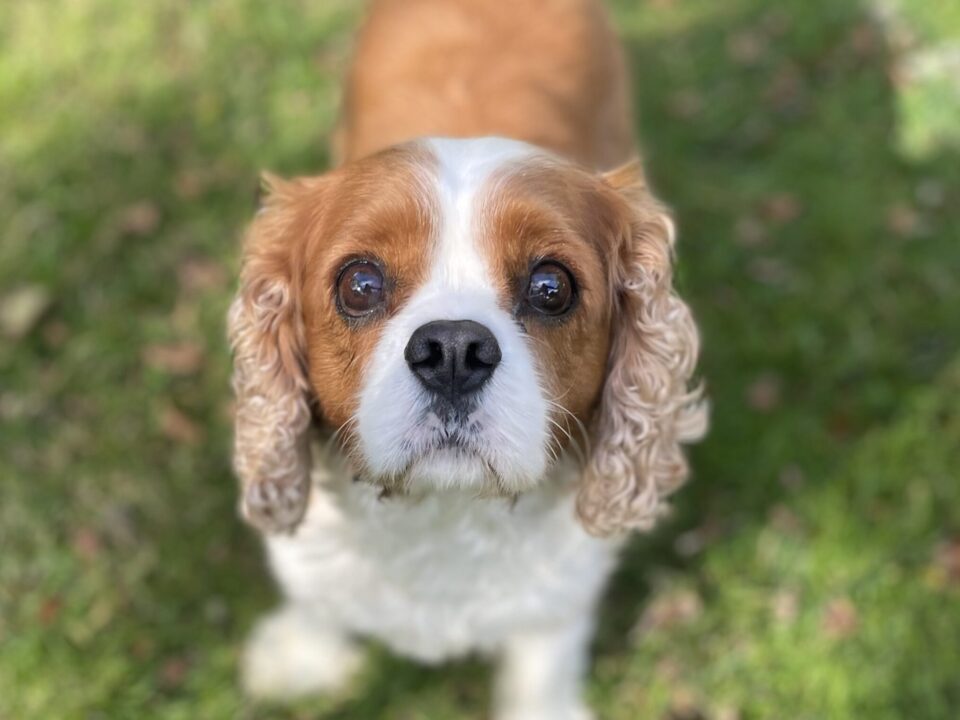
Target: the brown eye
(551, 289)
(360, 288)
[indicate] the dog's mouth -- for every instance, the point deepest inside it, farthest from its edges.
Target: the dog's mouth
(448, 429)
(444, 452)
(453, 442)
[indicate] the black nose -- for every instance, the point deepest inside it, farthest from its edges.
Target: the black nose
(453, 358)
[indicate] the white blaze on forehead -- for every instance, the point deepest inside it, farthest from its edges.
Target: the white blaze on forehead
(393, 419)
(464, 169)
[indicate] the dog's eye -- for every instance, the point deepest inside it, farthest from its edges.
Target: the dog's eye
(360, 288)
(551, 289)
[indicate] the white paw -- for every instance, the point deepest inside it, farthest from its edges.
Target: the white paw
(289, 654)
(575, 712)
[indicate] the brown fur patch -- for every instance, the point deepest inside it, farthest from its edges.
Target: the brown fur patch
(539, 210)
(377, 208)
(549, 72)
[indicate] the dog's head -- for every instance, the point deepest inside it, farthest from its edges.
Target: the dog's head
(460, 313)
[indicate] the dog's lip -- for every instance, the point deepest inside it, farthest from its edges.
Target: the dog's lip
(458, 432)
(453, 443)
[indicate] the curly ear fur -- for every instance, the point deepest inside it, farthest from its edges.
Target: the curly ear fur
(647, 409)
(272, 417)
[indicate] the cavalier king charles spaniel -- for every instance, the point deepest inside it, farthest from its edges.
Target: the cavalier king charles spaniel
(462, 372)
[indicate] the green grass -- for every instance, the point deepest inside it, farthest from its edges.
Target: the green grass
(812, 567)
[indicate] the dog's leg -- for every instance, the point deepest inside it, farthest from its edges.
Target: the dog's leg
(541, 674)
(293, 652)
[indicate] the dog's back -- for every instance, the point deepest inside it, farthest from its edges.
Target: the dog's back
(549, 72)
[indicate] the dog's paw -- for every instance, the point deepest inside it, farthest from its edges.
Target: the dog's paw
(289, 655)
(275, 506)
(578, 712)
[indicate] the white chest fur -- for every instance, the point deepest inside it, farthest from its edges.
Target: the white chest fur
(444, 574)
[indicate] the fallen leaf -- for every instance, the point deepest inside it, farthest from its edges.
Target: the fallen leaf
(685, 705)
(763, 394)
(784, 606)
(184, 319)
(141, 648)
(792, 478)
(840, 619)
(840, 424)
(784, 520)
(746, 47)
(777, 22)
(85, 544)
(670, 609)
(903, 220)
(685, 104)
(182, 358)
(50, 610)
(769, 271)
(689, 543)
(864, 39)
(190, 183)
(217, 552)
(782, 207)
(118, 520)
(177, 426)
(200, 274)
(946, 563)
(786, 92)
(22, 308)
(750, 232)
(55, 333)
(173, 672)
(724, 296)
(140, 218)
(696, 540)
(668, 670)
(726, 712)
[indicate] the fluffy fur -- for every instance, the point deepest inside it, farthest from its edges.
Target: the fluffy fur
(492, 530)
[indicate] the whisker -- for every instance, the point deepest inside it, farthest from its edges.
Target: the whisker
(345, 428)
(573, 443)
(582, 450)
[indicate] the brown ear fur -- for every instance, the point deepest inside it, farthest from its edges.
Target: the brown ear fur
(647, 409)
(265, 327)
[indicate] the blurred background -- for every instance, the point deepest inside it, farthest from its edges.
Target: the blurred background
(811, 150)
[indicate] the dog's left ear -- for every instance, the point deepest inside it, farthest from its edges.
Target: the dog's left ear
(265, 327)
(647, 408)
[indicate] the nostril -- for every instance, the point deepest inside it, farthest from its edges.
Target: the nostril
(482, 355)
(433, 357)
(423, 352)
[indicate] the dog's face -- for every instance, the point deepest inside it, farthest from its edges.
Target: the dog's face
(460, 312)
(466, 304)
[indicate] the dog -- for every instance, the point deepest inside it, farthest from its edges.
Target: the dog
(462, 373)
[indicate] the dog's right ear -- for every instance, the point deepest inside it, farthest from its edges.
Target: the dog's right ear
(265, 327)
(647, 409)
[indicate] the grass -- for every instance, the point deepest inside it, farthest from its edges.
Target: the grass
(812, 567)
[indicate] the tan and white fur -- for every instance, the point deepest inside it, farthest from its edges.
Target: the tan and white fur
(480, 140)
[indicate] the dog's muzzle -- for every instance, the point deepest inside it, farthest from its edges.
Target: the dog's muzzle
(453, 360)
